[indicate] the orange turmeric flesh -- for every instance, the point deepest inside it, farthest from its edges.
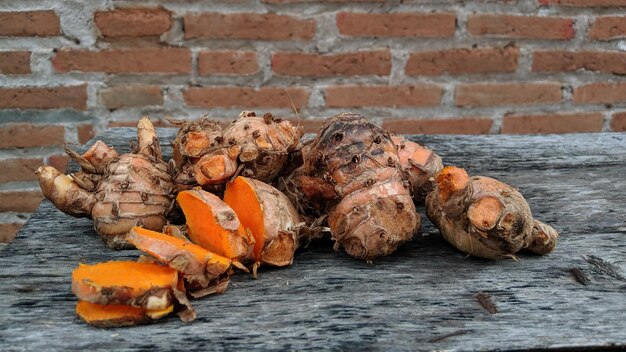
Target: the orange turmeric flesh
(241, 196)
(213, 225)
(125, 282)
(107, 316)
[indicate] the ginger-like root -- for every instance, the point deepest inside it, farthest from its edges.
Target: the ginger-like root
(64, 193)
(270, 217)
(484, 217)
(149, 286)
(213, 225)
(112, 316)
(256, 147)
(421, 164)
(117, 192)
(199, 267)
(352, 171)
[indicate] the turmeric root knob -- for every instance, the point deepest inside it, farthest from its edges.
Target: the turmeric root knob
(352, 171)
(270, 217)
(64, 193)
(484, 217)
(451, 181)
(420, 163)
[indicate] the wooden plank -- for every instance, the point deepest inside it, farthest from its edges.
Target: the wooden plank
(423, 297)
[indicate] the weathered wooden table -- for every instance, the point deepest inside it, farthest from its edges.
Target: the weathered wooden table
(421, 298)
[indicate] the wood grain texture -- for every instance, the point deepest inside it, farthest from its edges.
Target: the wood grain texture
(422, 297)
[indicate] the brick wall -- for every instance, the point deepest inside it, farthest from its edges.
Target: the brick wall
(70, 69)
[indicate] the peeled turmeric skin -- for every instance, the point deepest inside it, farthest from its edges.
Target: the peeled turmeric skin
(213, 225)
(151, 287)
(199, 267)
(484, 217)
(117, 192)
(252, 146)
(352, 172)
(270, 217)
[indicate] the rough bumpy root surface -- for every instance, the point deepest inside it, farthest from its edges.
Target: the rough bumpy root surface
(111, 316)
(252, 146)
(484, 217)
(352, 171)
(200, 268)
(117, 192)
(213, 225)
(420, 164)
(270, 217)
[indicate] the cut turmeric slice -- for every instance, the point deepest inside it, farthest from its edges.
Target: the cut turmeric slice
(213, 225)
(270, 217)
(199, 266)
(144, 285)
(109, 316)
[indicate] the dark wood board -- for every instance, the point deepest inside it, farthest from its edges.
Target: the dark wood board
(422, 297)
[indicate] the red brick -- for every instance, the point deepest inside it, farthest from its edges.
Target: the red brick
(19, 169)
(14, 62)
(600, 93)
(411, 24)
(133, 22)
(127, 96)
(58, 161)
(20, 201)
(242, 97)
(24, 135)
(477, 95)
(466, 125)
(29, 24)
(309, 1)
(345, 64)
(44, 97)
(510, 26)
(607, 28)
(85, 133)
(227, 62)
(552, 123)
(248, 26)
(463, 61)
(584, 3)
(567, 61)
(618, 122)
(138, 60)
(8, 231)
(398, 96)
(133, 123)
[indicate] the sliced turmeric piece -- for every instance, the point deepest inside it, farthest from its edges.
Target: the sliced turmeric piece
(213, 225)
(269, 215)
(109, 316)
(142, 285)
(199, 267)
